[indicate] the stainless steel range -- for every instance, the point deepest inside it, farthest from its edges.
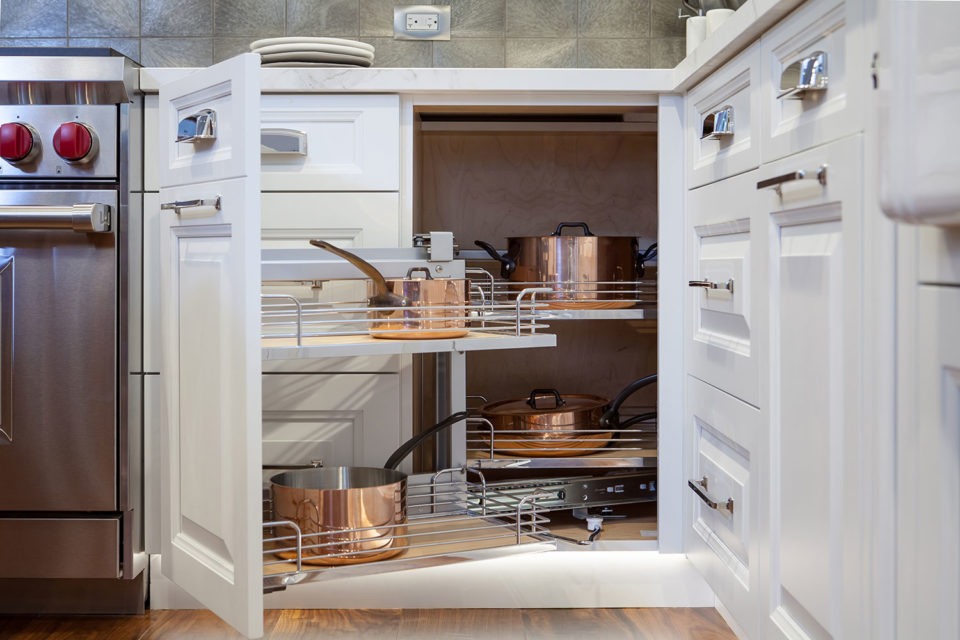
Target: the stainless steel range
(70, 379)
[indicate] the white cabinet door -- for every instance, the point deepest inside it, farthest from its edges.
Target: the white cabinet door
(816, 532)
(211, 526)
(928, 470)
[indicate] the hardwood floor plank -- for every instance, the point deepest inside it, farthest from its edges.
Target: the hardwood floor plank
(375, 624)
(465, 624)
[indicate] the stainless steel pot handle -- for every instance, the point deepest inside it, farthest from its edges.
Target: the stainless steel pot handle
(700, 488)
(84, 218)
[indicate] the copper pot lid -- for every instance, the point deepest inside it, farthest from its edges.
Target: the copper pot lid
(545, 401)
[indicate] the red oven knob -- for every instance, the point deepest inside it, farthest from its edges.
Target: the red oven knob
(75, 142)
(18, 142)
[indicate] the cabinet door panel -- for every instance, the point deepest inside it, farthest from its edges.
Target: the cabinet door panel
(349, 220)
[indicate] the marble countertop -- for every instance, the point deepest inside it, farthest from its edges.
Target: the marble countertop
(742, 28)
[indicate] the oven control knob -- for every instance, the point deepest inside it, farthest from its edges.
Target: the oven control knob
(18, 142)
(75, 142)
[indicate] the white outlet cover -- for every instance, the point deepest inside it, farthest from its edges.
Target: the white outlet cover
(421, 22)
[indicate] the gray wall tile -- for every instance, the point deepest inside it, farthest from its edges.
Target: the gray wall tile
(541, 52)
(33, 42)
(615, 53)
(33, 18)
(542, 18)
(224, 48)
(109, 18)
(469, 52)
(129, 47)
(401, 53)
(614, 18)
(258, 18)
(177, 52)
(323, 18)
(666, 53)
(176, 17)
(664, 21)
(477, 18)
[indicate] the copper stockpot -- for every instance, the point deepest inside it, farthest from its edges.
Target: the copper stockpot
(421, 308)
(583, 270)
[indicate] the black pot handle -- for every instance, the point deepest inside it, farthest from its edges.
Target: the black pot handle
(642, 256)
(582, 225)
(532, 400)
(507, 264)
(404, 450)
(611, 417)
(423, 270)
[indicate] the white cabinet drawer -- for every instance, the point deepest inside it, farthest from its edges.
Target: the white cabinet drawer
(793, 123)
(352, 143)
(349, 220)
(724, 117)
(938, 255)
(725, 325)
(723, 509)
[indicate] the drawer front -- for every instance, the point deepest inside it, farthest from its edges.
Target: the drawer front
(723, 113)
(723, 505)
(938, 255)
(725, 324)
(349, 220)
(802, 120)
(349, 143)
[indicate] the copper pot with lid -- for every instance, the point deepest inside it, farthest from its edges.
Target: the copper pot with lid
(411, 307)
(584, 271)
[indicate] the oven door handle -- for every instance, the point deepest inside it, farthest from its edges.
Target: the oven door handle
(85, 218)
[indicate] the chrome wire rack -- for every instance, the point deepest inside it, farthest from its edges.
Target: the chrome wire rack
(448, 516)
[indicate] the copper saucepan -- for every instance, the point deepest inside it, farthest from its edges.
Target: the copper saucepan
(421, 308)
(584, 271)
(349, 515)
(548, 424)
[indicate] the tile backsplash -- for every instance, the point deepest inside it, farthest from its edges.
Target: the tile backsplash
(484, 33)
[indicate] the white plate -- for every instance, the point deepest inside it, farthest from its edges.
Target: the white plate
(321, 48)
(304, 65)
(313, 56)
(266, 42)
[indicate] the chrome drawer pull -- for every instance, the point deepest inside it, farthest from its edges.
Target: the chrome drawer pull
(718, 124)
(709, 284)
(179, 205)
(199, 127)
(92, 218)
(283, 142)
(778, 181)
(700, 488)
(808, 74)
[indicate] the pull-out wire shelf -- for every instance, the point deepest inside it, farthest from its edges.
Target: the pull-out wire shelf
(449, 518)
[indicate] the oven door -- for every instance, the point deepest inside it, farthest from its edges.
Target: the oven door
(58, 351)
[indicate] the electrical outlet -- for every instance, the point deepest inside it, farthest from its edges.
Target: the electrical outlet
(421, 22)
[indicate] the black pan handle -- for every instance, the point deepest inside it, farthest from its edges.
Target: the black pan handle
(397, 456)
(507, 264)
(611, 417)
(642, 257)
(532, 400)
(582, 225)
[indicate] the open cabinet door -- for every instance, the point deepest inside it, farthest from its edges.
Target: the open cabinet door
(210, 301)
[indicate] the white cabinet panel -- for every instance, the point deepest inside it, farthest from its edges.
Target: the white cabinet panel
(725, 327)
(352, 142)
(792, 124)
(725, 435)
(151, 166)
(734, 89)
(928, 474)
(938, 255)
(349, 220)
(815, 525)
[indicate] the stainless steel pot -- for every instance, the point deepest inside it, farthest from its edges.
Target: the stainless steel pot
(421, 307)
(584, 271)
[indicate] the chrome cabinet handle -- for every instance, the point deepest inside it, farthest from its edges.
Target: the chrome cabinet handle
(778, 181)
(85, 218)
(708, 284)
(718, 124)
(199, 127)
(179, 205)
(283, 142)
(807, 74)
(700, 488)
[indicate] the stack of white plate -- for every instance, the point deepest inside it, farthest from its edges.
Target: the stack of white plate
(302, 51)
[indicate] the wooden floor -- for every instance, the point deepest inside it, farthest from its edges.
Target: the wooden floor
(412, 624)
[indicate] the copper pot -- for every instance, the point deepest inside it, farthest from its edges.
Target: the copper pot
(584, 271)
(419, 308)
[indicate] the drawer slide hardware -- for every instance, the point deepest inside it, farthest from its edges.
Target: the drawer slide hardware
(700, 488)
(718, 124)
(178, 206)
(709, 284)
(807, 74)
(778, 181)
